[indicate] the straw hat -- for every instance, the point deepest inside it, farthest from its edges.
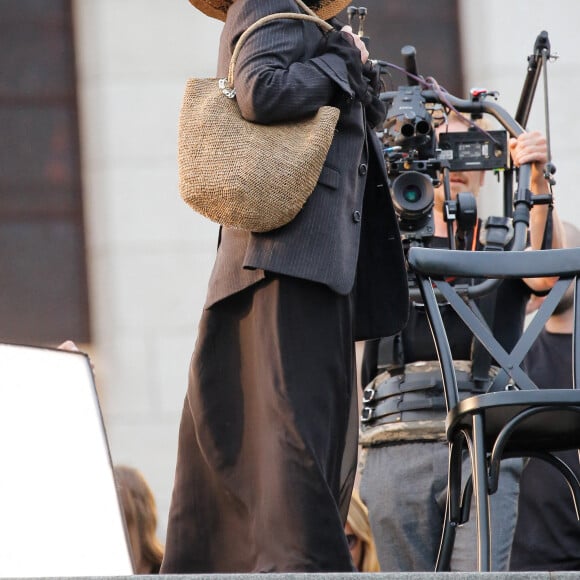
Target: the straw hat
(218, 8)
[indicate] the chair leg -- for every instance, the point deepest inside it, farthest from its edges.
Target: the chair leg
(453, 511)
(480, 486)
(466, 500)
(443, 563)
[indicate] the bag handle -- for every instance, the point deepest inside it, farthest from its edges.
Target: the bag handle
(229, 90)
(305, 7)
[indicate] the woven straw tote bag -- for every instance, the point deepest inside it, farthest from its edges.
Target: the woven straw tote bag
(247, 175)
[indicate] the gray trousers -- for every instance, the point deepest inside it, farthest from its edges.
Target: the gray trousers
(404, 488)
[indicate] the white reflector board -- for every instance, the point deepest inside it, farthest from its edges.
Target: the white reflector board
(59, 511)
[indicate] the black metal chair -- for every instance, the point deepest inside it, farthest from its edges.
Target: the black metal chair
(514, 419)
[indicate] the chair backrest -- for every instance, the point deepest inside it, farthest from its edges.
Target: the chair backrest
(434, 267)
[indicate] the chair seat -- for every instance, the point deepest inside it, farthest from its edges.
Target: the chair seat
(557, 428)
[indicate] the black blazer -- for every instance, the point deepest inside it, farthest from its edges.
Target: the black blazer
(342, 234)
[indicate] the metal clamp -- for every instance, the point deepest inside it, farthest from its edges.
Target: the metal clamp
(368, 395)
(230, 93)
(366, 414)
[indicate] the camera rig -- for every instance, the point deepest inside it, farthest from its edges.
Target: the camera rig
(420, 158)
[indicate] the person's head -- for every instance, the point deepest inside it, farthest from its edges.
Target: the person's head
(140, 513)
(459, 181)
(359, 536)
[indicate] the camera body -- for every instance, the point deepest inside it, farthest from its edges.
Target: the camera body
(417, 158)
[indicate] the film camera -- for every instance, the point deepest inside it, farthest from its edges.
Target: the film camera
(419, 158)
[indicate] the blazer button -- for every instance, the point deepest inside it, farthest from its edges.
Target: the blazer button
(356, 216)
(362, 169)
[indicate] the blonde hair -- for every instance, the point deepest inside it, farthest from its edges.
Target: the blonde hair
(358, 520)
(141, 519)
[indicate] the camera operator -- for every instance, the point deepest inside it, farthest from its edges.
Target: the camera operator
(405, 454)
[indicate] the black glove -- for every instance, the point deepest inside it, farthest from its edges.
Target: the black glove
(363, 79)
(376, 110)
(373, 74)
(342, 45)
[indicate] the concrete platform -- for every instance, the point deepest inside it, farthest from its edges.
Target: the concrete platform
(339, 576)
(385, 576)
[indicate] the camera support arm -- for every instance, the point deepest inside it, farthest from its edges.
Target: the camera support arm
(535, 62)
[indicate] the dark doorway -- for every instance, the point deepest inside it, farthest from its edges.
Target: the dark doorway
(431, 27)
(43, 285)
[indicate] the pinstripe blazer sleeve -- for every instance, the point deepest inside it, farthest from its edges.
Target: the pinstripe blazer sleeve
(276, 76)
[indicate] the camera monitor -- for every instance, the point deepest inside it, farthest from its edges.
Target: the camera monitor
(474, 150)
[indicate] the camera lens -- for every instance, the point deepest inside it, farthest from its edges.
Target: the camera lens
(413, 197)
(412, 193)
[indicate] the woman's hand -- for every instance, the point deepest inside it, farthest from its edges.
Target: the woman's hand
(69, 345)
(364, 53)
(72, 347)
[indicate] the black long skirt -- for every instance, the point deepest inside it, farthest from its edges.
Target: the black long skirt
(268, 436)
